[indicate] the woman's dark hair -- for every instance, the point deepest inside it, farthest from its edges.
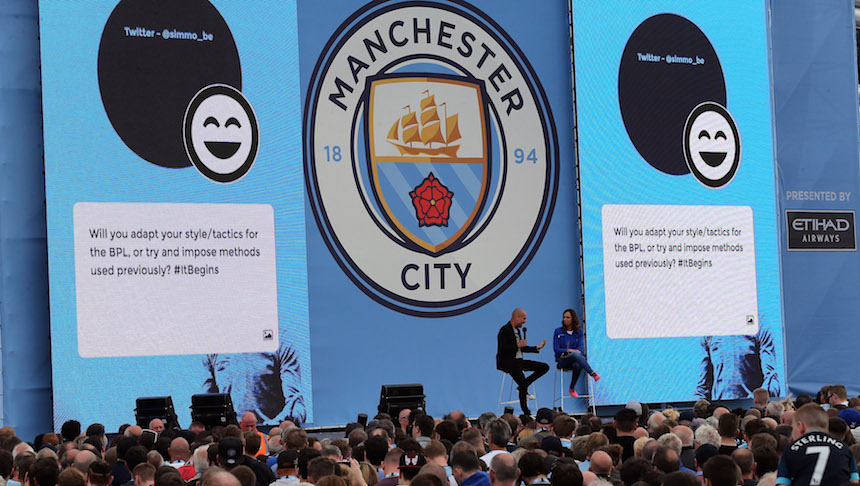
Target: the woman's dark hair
(576, 325)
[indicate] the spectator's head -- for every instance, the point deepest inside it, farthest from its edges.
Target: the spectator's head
(760, 397)
(99, 474)
(498, 432)
(156, 425)
(424, 425)
(429, 478)
(410, 463)
(671, 441)
(287, 464)
(82, 461)
(566, 474)
(633, 470)
(143, 474)
(808, 418)
(775, 410)
(230, 453)
(6, 463)
(71, 477)
(375, 449)
(701, 408)
(306, 455)
(601, 463)
(666, 459)
(838, 394)
(595, 441)
(253, 441)
(706, 434)
(745, 461)
(464, 464)
(625, 421)
(704, 453)
(43, 472)
(504, 470)
(685, 434)
(295, 438)
(70, 430)
(720, 470)
(319, 468)
(356, 436)
(447, 430)
(200, 458)
(681, 478)
(728, 425)
(248, 422)
(532, 465)
(135, 455)
(563, 426)
(178, 450)
(218, 477)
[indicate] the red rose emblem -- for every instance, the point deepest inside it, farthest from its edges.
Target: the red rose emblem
(432, 201)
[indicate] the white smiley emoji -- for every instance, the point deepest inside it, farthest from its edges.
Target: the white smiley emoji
(712, 144)
(221, 133)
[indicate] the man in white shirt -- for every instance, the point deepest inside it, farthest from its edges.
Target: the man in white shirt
(498, 435)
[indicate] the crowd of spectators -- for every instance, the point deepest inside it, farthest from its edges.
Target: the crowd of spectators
(803, 441)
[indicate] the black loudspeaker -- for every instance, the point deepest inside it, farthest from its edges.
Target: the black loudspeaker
(213, 409)
(362, 419)
(149, 408)
(394, 398)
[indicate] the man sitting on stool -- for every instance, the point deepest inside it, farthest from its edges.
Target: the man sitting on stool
(509, 358)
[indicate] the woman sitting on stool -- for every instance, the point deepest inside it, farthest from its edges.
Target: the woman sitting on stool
(569, 345)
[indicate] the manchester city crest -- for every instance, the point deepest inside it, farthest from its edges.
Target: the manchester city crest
(430, 155)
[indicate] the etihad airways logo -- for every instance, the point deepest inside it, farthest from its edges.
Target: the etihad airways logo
(431, 155)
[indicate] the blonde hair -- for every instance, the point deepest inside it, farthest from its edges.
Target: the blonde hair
(813, 416)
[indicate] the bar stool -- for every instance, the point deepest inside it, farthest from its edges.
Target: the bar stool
(532, 395)
(562, 390)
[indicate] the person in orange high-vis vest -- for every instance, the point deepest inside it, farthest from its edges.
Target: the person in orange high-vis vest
(249, 424)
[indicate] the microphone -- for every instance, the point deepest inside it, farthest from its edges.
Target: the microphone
(524, 332)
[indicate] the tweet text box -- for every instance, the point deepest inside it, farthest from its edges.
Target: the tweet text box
(679, 292)
(194, 303)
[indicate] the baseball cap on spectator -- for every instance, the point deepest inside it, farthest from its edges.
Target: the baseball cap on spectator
(412, 459)
(287, 459)
(635, 406)
(544, 416)
(851, 416)
(705, 452)
(231, 451)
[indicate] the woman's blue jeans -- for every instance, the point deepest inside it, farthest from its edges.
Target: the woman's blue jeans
(577, 363)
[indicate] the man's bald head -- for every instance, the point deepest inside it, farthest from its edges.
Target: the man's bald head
(178, 449)
(601, 463)
(248, 422)
(132, 431)
(720, 411)
(518, 317)
(222, 478)
(685, 434)
(503, 469)
(588, 477)
(83, 459)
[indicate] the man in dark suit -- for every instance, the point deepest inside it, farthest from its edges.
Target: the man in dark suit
(510, 356)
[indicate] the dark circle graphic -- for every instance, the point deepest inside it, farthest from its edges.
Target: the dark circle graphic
(229, 102)
(660, 81)
(146, 80)
(724, 116)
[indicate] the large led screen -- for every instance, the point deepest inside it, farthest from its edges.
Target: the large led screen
(176, 228)
(677, 183)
